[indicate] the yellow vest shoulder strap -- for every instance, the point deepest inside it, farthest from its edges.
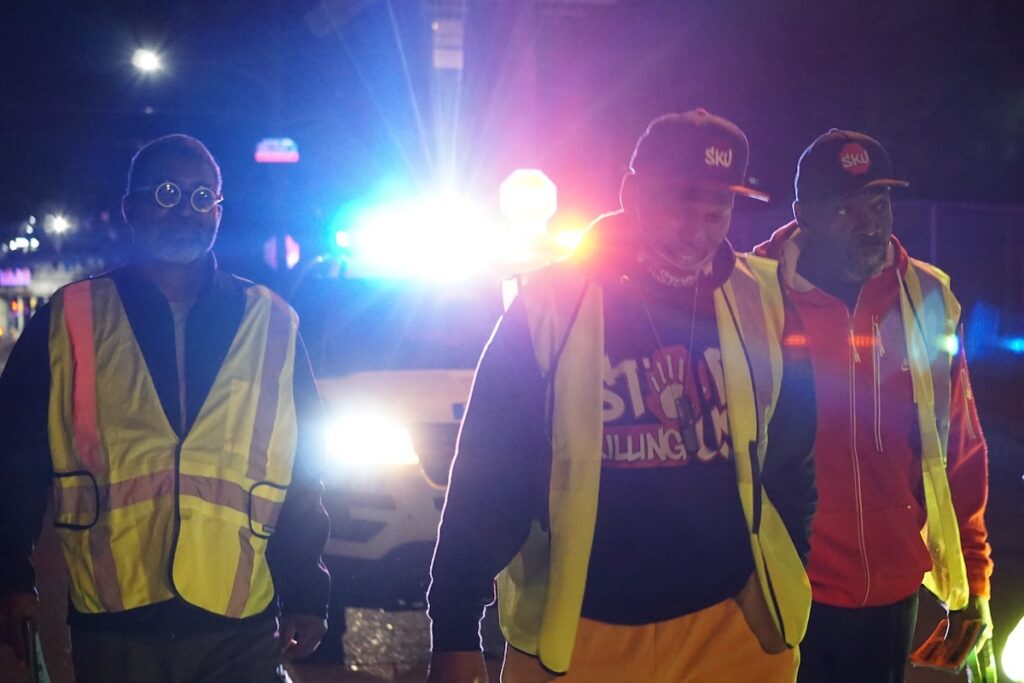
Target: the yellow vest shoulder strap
(930, 314)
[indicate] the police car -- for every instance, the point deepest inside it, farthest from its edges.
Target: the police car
(394, 361)
(394, 339)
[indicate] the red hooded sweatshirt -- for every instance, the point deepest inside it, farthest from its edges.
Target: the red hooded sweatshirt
(866, 544)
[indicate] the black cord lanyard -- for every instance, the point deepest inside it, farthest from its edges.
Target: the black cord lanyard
(685, 413)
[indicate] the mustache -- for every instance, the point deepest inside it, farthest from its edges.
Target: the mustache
(872, 240)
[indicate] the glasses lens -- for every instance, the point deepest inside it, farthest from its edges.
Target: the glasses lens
(168, 195)
(203, 199)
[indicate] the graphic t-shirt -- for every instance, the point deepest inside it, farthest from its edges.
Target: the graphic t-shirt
(670, 536)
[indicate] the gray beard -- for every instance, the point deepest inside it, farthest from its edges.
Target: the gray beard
(174, 253)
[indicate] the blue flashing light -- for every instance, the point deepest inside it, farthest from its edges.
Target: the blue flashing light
(950, 343)
(392, 232)
(982, 330)
(1013, 344)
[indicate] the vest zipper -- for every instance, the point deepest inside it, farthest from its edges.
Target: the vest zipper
(854, 361)
(177, 521)
(879, 351)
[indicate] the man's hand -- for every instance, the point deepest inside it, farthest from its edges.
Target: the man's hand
(977, 608)
(457, 667)
(299, 634)
(982, 664)
(15, 610)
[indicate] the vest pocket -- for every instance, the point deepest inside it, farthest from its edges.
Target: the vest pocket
(265, 501)
(76, 500)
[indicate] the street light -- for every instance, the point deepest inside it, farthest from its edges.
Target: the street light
(146, 61)
(59, 224)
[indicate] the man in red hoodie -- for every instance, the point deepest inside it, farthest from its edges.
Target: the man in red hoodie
(901, 462)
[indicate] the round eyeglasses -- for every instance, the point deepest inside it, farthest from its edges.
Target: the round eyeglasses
(168, 195)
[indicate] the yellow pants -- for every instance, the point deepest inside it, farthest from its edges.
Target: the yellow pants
(714, 645)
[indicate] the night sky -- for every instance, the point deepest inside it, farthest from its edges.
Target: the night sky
(940, 83)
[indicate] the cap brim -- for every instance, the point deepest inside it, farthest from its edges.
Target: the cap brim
(719, 187)
(750, 192)
(879, 182)
(887, 182)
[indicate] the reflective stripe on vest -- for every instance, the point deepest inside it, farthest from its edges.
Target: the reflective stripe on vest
(540, 593)
(930, 313)
(128, 539)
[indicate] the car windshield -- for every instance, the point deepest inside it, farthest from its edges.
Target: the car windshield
(359, 325)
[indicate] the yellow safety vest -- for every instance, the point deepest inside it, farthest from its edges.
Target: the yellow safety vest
(142, 514)
(930, 314)
(540, 593)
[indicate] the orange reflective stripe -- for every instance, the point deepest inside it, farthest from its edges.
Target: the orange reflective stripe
(215, 491)
(108, 589)
(78, 317)
(84, 500)
(243, 574)
(138, 489)
(265, 511)
(230, 495)
(278, 329)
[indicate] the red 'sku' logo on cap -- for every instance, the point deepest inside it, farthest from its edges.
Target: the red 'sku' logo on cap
(854, 158)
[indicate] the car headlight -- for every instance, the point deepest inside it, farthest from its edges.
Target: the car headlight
(1013, 653)
(368, 440)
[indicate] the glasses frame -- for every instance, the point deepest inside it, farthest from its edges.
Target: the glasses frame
(217, 198)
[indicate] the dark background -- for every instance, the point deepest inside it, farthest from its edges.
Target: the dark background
(564, 85)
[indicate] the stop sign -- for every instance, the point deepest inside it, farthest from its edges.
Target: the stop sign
(528, 197)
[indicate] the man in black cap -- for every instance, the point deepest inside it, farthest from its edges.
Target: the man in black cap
(899, 450)
(630, 466)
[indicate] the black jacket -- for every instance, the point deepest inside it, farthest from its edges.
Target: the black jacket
(669, 540)
(293, 552)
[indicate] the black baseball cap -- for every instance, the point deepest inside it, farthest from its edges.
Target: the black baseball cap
(840, 163)
(697, 146)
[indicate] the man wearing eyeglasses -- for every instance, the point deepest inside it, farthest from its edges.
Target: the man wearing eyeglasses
(169, 406)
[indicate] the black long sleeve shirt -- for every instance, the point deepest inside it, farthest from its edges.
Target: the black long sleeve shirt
(293, 552)
(670, 538)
